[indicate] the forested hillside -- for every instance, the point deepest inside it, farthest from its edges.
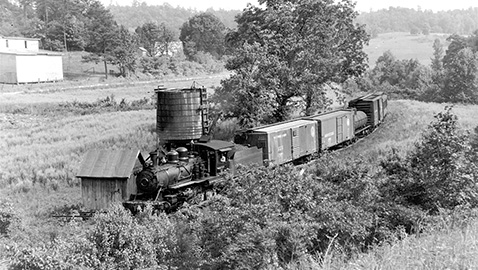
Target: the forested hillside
(397, 19)
(174, 17)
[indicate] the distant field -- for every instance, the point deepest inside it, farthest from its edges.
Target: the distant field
(404, 46)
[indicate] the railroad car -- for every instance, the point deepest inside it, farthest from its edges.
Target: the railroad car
(334, 128)
(283, 142)
(187, 162)
(374, 105)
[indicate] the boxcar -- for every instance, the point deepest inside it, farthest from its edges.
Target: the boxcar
(285, 141)
(334, 128)
(374, 105)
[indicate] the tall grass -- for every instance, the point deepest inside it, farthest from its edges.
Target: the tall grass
(41, 156)
(48, 151)
(447, 248)
(444, 249)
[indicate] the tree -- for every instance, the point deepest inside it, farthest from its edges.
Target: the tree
(414, 30)
(437, 61)
(149, 34)
(124, 51)
(400, 78)
(203, 32)
(8, 14)
(440, 172)
(242, 96)
(292, 49)
(156, 39)
(63, 22)
(456, 44)
(461, 77)
(166, 37)
(101, 29)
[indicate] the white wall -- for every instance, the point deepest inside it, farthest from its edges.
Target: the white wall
(3, 45)
(8, 70)
(18, 44)
(39, 68)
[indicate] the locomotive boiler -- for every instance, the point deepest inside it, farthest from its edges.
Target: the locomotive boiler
(169, 171)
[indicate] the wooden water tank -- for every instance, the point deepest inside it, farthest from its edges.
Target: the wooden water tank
(181, 114)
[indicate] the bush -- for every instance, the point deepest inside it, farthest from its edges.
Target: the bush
(439, 172)
(275, 216)
(165, 65)
(7, 217)
(116, 240)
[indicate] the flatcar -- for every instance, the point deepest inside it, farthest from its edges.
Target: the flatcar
(186, 162)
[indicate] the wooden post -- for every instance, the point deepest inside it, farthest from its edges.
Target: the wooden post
(106, 69)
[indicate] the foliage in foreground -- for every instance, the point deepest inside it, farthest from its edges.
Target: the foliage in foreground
(440, 172)
(451, 243)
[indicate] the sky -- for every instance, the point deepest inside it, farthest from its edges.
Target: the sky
(362, 5)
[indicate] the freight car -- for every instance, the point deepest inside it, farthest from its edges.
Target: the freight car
(297, 139)
(187, 162)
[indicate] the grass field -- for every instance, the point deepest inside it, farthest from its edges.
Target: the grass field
(404, 46)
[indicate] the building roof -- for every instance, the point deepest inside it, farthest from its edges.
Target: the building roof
(108, 163)
(19, 38)
(40, 52)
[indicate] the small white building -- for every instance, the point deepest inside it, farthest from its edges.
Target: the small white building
(21, 61)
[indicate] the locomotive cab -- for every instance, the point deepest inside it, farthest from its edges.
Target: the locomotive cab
(216, 154)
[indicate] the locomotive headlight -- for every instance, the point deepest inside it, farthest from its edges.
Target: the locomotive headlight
(144, 183)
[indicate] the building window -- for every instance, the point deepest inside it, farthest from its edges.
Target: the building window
(26, 44)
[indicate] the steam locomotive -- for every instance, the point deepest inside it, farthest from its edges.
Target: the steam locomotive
(187, 162)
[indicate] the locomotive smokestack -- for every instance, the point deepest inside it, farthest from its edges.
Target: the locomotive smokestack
(154, 157)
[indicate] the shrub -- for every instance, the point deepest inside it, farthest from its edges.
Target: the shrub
(275, 216)
(7, 217)
(116, 240)
(439, 172)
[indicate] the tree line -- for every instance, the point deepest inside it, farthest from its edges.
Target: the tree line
(140, 13)
(398, 19)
